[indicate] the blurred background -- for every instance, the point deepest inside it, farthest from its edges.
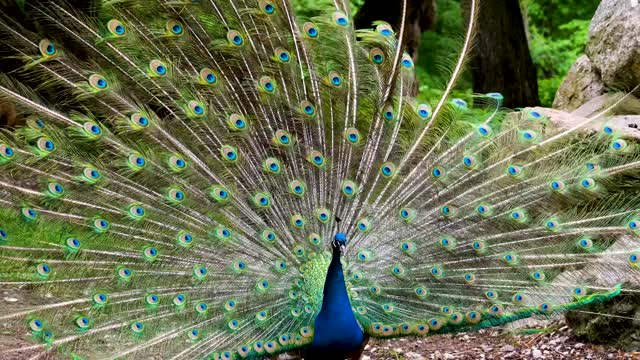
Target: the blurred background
(524, 48)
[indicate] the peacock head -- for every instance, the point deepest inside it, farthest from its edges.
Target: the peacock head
(339, 241)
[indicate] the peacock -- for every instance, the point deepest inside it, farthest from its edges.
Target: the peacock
(224, 179)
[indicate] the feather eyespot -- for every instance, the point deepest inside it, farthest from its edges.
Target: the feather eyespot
(316, 158)
(29, 214)
(43, 270)
(349, 188)
(179, 300)
(267, 7)
(334, 79)
(485, 130)
(376, 55)
(363, 225)
(229, 153)
(98, 82)
(385, 29)
(150, 253)
(184, 239)
(193, 334)
(124, 273)
(47, 49)
(158, 68)
(459, 104)
(323, 215)
(116, 28)
(314, 239)
(45, 145)
(282, 55)
(340, 19)
(470, 162)
(6, 153)
(272, 165)
(83, 322)
(136, 162)
(268, 235)
(423, 111)
(406, 61)
(237, 122)
(388, 113)
(307, 108)
(220, 194)
(175, 195)
(199, 272)
(388, 169)
(55, 190)
(262, 200)
(174, 28)
(235, 38)
(297, 187)
(619, 145)
(283, 138)
(297, 221)
(195, 109)
(352, 135)
(310, 30)
(207, 77)
(267, 84)
(91, 175)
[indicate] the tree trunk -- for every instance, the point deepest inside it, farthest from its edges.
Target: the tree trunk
(421, 17)
(501, 61)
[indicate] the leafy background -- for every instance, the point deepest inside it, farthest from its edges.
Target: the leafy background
(557, 36)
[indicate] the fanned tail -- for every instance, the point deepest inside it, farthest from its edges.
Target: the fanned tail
(175, 186)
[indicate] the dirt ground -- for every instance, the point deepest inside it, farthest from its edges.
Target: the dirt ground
(556, 342)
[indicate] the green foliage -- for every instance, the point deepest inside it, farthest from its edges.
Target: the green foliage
(438, 53)
(558, 35)
(309, 8)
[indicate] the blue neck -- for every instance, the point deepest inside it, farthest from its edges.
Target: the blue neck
(336, 333)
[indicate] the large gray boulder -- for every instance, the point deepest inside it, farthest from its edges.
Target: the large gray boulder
(613, 45)
(582, 84)
(612, 59)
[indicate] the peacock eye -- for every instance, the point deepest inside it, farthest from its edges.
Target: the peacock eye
(340, 19)
(424, 111)
(158, 68)
(47, 49)
(310, 30)
(267, 7)
(116, 28)
(406, 61)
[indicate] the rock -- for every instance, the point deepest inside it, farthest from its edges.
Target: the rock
(365, 357)
(613, 44)
(593, 106)
(581, 84)
(536, 354)
(465, 337)
(398, 350)
(624, 125)
(578, 345)
(507, 348)
(10, 299)
(413, 356)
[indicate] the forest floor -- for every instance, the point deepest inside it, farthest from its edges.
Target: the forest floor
(554, 341)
